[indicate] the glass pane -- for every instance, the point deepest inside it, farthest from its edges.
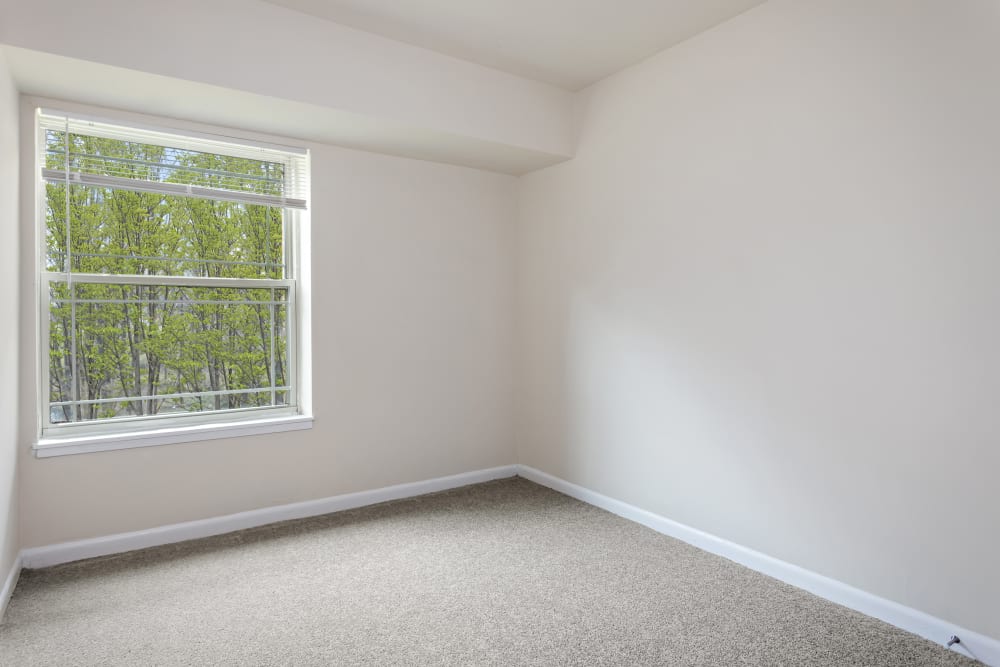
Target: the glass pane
(136, 233)
(148, 162)
(142, 350)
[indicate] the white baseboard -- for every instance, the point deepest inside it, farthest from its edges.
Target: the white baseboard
(8, 585)
(102, 546)
(979, 646)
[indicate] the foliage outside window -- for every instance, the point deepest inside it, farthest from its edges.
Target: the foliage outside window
(168, 276)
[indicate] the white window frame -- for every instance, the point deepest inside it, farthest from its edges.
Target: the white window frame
(127, 432)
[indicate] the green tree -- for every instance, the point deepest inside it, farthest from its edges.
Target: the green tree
(128, 349)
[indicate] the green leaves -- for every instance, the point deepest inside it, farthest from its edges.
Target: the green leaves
(129, 349)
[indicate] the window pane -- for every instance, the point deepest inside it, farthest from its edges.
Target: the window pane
(137, 233)
(143, 350)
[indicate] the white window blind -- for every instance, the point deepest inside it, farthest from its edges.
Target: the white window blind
(170, 175)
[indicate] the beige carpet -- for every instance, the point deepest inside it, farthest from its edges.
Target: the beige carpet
(503, 573)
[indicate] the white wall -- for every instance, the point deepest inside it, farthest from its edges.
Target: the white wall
(764, 298)
(9, 352)
(411, 360)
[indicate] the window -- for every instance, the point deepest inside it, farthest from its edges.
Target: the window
(168, 279)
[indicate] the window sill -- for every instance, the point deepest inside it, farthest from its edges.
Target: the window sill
(64, 446)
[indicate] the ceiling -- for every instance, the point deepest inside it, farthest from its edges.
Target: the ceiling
(568, 43)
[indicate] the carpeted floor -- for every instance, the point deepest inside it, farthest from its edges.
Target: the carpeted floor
(503, 573)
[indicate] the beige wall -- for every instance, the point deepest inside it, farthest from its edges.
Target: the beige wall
(8, 321)
(764, 298)
(411, 361)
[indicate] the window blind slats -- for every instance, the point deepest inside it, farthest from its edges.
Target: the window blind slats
(57, 176)
(288, 188)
